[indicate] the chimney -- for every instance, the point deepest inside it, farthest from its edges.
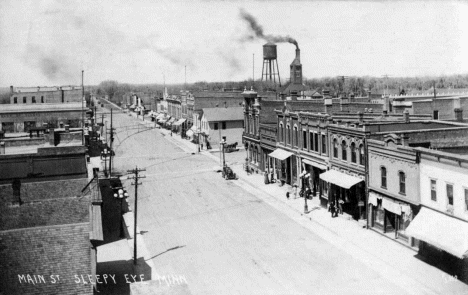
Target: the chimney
(406, 116)
(360, 117)
(459, 114)
(11, 89)
(16, 188)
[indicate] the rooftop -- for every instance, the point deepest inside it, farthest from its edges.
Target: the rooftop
(224, 114)
(42, 107)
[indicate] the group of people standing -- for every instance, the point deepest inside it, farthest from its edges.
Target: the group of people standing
(335, 206)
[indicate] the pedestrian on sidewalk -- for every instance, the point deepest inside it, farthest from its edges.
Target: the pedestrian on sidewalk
(287, 195)
(171, 132)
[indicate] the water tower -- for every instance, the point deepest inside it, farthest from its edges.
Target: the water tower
(270, 64)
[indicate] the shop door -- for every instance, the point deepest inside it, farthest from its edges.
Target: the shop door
(288, 170)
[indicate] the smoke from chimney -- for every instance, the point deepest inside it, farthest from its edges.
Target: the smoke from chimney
(257, 29)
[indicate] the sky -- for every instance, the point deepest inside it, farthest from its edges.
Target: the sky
(49, 42)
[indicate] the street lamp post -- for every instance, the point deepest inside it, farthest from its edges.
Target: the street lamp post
(222, 143)
(104, 154)
(121, 194)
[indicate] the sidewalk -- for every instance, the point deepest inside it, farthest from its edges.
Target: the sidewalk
(396, 262)
(390, 259)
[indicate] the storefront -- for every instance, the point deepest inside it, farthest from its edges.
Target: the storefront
(313, 182)
(282, 165)
(443, 241)
(391, 217)
(347, 192)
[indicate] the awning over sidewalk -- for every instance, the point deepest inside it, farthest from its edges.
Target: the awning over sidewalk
(280, 154)
(340, 179)
(179, 122)
(189, 133)
(445, 232)
(315, 164)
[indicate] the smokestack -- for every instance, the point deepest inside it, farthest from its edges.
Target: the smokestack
(298, 54)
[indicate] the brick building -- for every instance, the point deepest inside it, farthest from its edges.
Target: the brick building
(48, 227)
(40, 95)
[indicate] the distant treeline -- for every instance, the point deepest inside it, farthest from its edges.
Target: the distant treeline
(336, 85)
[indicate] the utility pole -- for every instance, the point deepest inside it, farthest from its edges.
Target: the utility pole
(82, 108)
(136, 178)
(253, 70)
(111, 140)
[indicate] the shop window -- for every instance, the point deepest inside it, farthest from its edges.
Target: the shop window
(379, 216)
(223, 125)
(28, 125)
(383, 177)
(433, 190)
(15, 99)
(449, 193)
(33, 99)
(402, 178)
(8, 127)
(215, 126)
(353, 153)
(24, 99)
(335, 148)
(304, 139)
(288, 135)
(466, 198)
(324, 144)
(344, 151)
(42, 99)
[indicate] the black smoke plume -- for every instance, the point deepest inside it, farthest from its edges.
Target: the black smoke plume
(257, 29)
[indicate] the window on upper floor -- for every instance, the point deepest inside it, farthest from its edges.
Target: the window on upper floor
(335, 148)
(383, 177)
(324, 144)
(402, 178)
(288, 138)
(296, 136)
(42, 99)
(223, 125)
(15, 99)
(311, 141)
(33, 99)
(304, 139)
(215, 126)
(362, 158)
(344, 151)
(353, 153)
(316, 142)
(449, 189)
(24, 99)
(280, 132)
(434, 190)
